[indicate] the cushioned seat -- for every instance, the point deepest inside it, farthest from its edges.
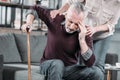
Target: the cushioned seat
(20, 73)
(35, 75)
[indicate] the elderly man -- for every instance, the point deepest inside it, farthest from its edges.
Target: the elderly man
(68, 54)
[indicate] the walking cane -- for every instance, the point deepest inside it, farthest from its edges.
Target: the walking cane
(28, 49)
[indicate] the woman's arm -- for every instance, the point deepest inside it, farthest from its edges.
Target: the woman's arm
(108, 27)
(64, 8)
(59, 11)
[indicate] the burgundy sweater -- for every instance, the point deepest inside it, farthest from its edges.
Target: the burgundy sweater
(60, 44)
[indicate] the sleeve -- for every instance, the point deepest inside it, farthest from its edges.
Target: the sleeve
(33, 12)
(40, 12)
(88, 56)
(113, 21)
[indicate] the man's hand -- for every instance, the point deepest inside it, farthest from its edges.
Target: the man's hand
(83, 31)
(26, 27)
(82, 35)
(53, 13)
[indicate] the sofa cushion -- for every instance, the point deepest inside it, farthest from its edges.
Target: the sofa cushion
(37, 45)
(18, 73)
(22, 66)
(35, 75)
(8, 48)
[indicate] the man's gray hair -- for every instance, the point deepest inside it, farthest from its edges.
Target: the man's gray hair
(77, 6)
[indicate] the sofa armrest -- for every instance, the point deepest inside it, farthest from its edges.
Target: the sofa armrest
(111, 58)
(1, 66)
(1, 61)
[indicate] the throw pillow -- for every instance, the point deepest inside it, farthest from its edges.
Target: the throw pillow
(8, 48)
(37, 45)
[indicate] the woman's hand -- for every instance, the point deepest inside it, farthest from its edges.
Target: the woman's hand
(54, 13)
(91, 31)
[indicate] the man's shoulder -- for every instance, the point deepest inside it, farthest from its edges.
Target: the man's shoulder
(59, 18)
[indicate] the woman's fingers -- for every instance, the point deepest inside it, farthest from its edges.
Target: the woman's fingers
(53, 13)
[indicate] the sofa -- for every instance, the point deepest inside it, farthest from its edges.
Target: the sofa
(13, 48)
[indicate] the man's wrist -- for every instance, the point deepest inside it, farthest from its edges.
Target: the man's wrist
(82, 41)
(29, 23)
(83, 46)
(30, 19)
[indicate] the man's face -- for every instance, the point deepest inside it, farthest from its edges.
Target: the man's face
(72, 20)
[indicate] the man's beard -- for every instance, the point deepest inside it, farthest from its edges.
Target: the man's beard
(71, 31)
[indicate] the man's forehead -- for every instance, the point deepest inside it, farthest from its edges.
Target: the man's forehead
(71, 14)
(72, 11)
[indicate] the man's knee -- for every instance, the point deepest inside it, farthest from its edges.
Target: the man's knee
(57, 64)
(97, 73)
(55, 67)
